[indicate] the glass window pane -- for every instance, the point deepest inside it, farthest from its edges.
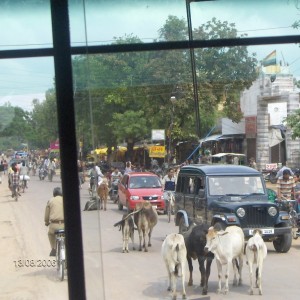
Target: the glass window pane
(25, 24)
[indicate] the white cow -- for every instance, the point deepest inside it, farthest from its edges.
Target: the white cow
(256, 252)
(174, 252)
(227, 246)
(127, 227)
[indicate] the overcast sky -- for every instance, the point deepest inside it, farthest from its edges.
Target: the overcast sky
(31, 28)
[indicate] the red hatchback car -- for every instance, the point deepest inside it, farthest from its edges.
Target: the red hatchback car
(137, 186)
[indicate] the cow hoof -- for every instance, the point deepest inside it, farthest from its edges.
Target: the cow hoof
(251, 292)
(104, 208)
(190, 283)
(260, 292)
(140, 249)
(133, 248)
(235, 283)
(174, 298)
(146, 250)
(204, 292)
(183, 296)
(218, 291)
(149, 245)
(123, 251)
(169, 289)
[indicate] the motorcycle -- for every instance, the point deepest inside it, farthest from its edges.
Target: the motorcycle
(42, 173)
(270, 175)
(294, 217)
(114, 191)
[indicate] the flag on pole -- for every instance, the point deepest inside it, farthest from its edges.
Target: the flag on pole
(269, 60)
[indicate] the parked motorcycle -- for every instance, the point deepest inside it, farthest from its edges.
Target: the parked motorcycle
(270, 175)
(290, 207)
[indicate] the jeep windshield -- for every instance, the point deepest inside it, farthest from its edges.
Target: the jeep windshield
(235, 186)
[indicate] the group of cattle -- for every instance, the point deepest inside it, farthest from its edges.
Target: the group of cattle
(199, 242)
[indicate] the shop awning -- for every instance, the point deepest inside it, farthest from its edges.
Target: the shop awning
(214, 137)
(229, 154)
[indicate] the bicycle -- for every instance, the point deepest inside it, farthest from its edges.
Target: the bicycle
(15, 192)
(23, 183)
(169, 196)
(61, 263)
(93, 187)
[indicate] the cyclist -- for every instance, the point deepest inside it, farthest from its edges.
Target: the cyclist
(169, 183)
(23, 173)
(15, 181)
(54, 217)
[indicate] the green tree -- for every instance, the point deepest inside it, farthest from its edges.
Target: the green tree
(293, 121)
(14, 125)
(109, 85)
(44, 120)
(130, 126)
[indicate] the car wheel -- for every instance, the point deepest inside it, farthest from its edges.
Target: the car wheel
(182, 227)
(120, 206)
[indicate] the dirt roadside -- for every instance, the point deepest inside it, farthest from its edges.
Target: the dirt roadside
(17, 280)
(11, 250)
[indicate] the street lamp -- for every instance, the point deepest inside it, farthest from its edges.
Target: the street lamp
(193, 64)
(173, 100)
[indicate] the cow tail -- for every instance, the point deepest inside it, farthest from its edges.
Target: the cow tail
(237, 264)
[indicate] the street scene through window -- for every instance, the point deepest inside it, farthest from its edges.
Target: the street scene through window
(125, 121)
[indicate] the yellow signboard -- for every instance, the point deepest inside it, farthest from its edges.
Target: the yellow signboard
(157, 151)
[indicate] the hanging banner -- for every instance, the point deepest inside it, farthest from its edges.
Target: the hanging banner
(54, 146)
(158, 135)
(157, 151)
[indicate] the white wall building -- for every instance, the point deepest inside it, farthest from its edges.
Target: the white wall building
(265, 105)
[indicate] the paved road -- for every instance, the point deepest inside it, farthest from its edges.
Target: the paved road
(110, 274)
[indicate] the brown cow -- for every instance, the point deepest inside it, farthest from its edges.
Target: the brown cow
(102, 192)
(145, 218)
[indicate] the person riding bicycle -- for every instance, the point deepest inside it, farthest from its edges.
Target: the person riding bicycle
(99, 174)
(15, 181)
(24, 172)
(54, 217)
(169, 182)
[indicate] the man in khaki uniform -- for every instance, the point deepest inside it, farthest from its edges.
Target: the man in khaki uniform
(54, 217)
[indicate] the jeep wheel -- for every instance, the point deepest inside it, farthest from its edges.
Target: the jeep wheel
(182, 227)
(120, 206)
(283, 243)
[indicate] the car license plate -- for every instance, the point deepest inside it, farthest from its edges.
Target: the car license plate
(155, 206)
(264, 231)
